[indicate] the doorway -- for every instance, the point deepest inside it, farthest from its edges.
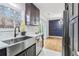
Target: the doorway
(54, 41)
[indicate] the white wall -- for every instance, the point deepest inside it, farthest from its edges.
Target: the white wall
(45, 26)
(46, 29)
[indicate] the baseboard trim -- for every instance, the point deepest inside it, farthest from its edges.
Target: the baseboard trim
(55, 37)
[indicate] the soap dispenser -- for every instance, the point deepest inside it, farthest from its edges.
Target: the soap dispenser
(23, 27)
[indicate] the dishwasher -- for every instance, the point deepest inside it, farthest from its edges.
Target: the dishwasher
(38, 44)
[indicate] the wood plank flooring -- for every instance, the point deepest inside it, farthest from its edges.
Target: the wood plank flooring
(53, 43)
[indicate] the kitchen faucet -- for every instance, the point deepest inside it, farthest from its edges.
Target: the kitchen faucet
(15, 31)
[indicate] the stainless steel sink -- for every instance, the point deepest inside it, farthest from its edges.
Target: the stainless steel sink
(12, 41)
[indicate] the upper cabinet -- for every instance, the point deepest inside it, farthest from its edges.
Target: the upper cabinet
(32, 14)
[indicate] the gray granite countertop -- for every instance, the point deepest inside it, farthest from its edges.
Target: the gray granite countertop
(33, 35)
(4, 45)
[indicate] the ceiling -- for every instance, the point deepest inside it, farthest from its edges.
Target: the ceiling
(48, 11)
(51, 10)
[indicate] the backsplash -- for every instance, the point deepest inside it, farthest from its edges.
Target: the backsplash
(8, 33)
(5, 34)
(32, 29)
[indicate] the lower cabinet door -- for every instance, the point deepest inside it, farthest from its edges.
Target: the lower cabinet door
(31, 51)
(3, 52)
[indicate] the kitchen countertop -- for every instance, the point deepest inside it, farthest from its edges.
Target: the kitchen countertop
(33, 35)
(27, 34)
(4, 45)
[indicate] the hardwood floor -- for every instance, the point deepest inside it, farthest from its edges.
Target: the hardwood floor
(53, 43)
